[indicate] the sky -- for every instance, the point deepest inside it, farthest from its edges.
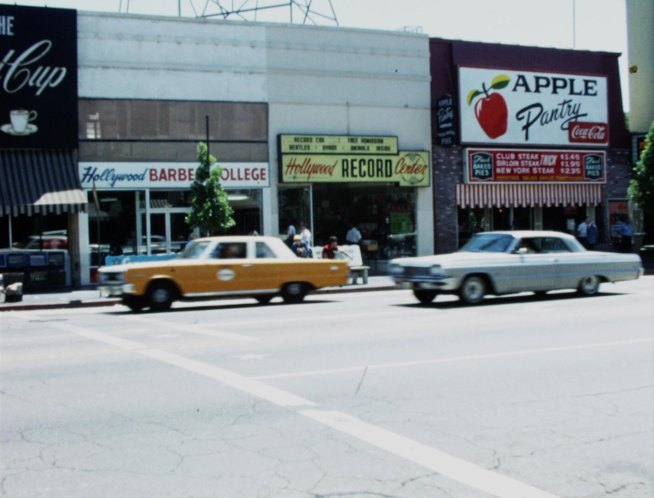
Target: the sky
(598, 25)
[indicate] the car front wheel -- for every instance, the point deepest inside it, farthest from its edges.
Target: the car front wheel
(589, 286)
(134, 303)
(161, 296)
(424, 296)
(473, 290)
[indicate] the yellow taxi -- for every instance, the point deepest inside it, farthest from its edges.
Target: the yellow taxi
(213, 267)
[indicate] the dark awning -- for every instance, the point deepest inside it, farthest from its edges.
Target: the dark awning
(39, 181)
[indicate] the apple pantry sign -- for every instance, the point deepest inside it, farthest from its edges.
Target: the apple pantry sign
(532, 108)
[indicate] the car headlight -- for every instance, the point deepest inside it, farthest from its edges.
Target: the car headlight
(436, 270)
(395, 270)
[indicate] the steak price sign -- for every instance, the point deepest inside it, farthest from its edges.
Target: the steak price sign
(535, 166)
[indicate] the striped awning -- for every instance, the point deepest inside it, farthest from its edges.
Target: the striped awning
(524, 195)
(39, 181)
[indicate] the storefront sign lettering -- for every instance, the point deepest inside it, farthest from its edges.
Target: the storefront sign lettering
(532, 108)
(23, 71)
(307, 167)
(588, 133)
(534, 166)
(409, 169)
(6, 25)
(109, 176)
(249, 174)
(337, 144)
(38, 78)
(445, 121)
(133, 176)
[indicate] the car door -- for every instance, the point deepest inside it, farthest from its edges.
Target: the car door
(565, 265)
(271, 272)
(535, 268)
(228, 270)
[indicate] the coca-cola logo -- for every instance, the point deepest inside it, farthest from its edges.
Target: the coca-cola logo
(588, 133)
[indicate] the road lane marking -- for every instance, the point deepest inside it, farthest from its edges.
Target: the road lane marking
(450, 466)
(454, 359)
(241, 383)
(190, 328)
(447, 465)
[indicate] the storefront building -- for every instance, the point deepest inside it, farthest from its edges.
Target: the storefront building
(525, 138)
(366, 182)
(149, 88)
(40, 192)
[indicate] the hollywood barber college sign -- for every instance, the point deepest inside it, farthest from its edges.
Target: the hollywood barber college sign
(38, 77)
(136, 176)
(497, 106)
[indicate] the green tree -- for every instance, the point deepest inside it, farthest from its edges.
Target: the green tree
(210, 209)
(641, 186)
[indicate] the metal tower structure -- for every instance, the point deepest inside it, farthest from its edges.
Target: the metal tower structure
(292, 11)
(296, 11)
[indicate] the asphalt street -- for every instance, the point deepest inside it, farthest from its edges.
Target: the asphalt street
(351, 394)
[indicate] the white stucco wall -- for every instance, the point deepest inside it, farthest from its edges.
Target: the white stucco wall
(359, 82)
(640, 34)
(155, 57)
(320, 80)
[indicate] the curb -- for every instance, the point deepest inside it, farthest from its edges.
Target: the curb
(76, 303)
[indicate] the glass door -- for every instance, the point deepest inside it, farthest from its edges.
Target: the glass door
(295, 207)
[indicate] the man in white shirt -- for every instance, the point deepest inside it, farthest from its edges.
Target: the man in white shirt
(353, 235)
(305, 234)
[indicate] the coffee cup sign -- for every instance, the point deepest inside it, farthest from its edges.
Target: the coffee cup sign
(20, 122)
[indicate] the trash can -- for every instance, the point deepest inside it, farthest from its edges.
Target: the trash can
(11, 286)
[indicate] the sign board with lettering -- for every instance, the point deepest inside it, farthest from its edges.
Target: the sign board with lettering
(408, 169)
(498, 106)
(445, 131)
(38, 77)
(535, 166)
(136, 176)
(336, 144)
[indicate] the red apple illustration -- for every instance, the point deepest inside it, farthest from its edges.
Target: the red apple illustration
(491, 110)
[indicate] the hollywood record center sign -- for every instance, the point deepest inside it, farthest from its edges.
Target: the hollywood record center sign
(498, 106)
(38, 77)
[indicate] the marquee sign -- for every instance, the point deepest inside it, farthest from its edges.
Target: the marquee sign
(38, 77)
(351, 159)
(499, 106)
(134, 176)
(336, 144)
(535, 166)
(408, 169)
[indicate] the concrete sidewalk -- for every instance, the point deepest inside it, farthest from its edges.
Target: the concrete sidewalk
(91, 296)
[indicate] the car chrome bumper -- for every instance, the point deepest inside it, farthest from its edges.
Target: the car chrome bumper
(437, 284)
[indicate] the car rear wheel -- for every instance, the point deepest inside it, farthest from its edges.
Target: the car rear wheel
(161, 296)
(263, 299)
(294, 292)
(589, 286)
(473, 290)
(424, 296)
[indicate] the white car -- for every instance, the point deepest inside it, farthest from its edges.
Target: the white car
(511, 262)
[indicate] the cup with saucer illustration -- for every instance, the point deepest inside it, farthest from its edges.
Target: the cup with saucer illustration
(21, 122)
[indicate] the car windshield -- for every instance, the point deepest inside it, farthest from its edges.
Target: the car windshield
(194, 249)
(488, 242)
